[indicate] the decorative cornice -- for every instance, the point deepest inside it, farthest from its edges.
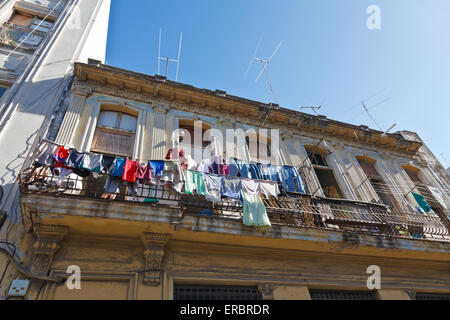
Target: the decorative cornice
(183, 97)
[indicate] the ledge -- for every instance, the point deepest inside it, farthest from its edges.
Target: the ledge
(121, 219)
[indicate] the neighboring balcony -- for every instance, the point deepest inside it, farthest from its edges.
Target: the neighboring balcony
(162, 204)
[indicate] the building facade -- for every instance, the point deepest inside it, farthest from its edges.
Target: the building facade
(40, 40)
(357, 210)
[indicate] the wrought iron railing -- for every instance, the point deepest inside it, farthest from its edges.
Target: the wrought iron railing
(294, 210)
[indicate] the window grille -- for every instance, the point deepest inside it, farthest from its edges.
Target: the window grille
(187, 292)
(432, 296)
(342, 295)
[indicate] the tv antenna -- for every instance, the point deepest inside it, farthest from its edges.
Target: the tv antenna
(374, 121)
(264, 65)
(316, 109)
(167, 60)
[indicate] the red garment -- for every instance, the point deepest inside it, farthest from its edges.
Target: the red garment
(226, 170)
(61, 154)
(129, 171)
(171, 156)
(143, 172)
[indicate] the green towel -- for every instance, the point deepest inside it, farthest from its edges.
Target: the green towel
(422, 202)
(195, 182)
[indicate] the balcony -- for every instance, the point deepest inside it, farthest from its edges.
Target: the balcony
(290, 210)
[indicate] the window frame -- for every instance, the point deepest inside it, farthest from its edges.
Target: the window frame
(116, 131)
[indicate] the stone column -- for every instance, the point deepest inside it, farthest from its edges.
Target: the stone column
(71, 119)
(159, 132)
(154, 244)
(46, 245)
(140, 133)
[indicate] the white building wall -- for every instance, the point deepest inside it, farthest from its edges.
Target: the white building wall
(26, 110)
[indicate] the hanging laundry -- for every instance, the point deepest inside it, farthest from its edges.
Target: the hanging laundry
(437, 194)
(205, 166)
(129, 171)
(190, 163)
(132, 189)
(92, 162)
(117, 168)
(195, 182)
(106, 164)
(173, 174)
(112, 184)
(291, 180)
(232, 188)
(144, 173)
(75, 159)
(255, 170)
(271, 173)
(422, 202)
(238, 168)
(157, 167)
(44, 153)
(218, 165)
(81, 172)
(270, 189)
(175, 154)
(254, 213)
(62, 171)
(213, 185)
(61, 154)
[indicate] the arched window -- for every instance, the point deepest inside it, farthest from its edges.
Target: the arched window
(188, 126)
(115, 133)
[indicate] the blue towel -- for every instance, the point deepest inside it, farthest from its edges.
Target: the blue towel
(157, 167)
(291, 180)
(118, 167)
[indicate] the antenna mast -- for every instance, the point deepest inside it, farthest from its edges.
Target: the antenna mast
(167, 60)
(264, 65)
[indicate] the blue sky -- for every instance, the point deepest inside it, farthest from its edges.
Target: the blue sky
(328, 55)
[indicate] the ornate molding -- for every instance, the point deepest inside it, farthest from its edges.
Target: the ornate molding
(46, 245)
(154, 244)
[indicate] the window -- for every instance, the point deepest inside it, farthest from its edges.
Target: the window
(324, 173)
(190, 146)
(44, 3)
(432, 296)
(41, 25)
(263, 151)
(377, 182)
(414, 175)
(3, 89)
(21, 20)
(10, 62)
(342, 295)
(14, 37)
(115, 133)
(186, 292)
